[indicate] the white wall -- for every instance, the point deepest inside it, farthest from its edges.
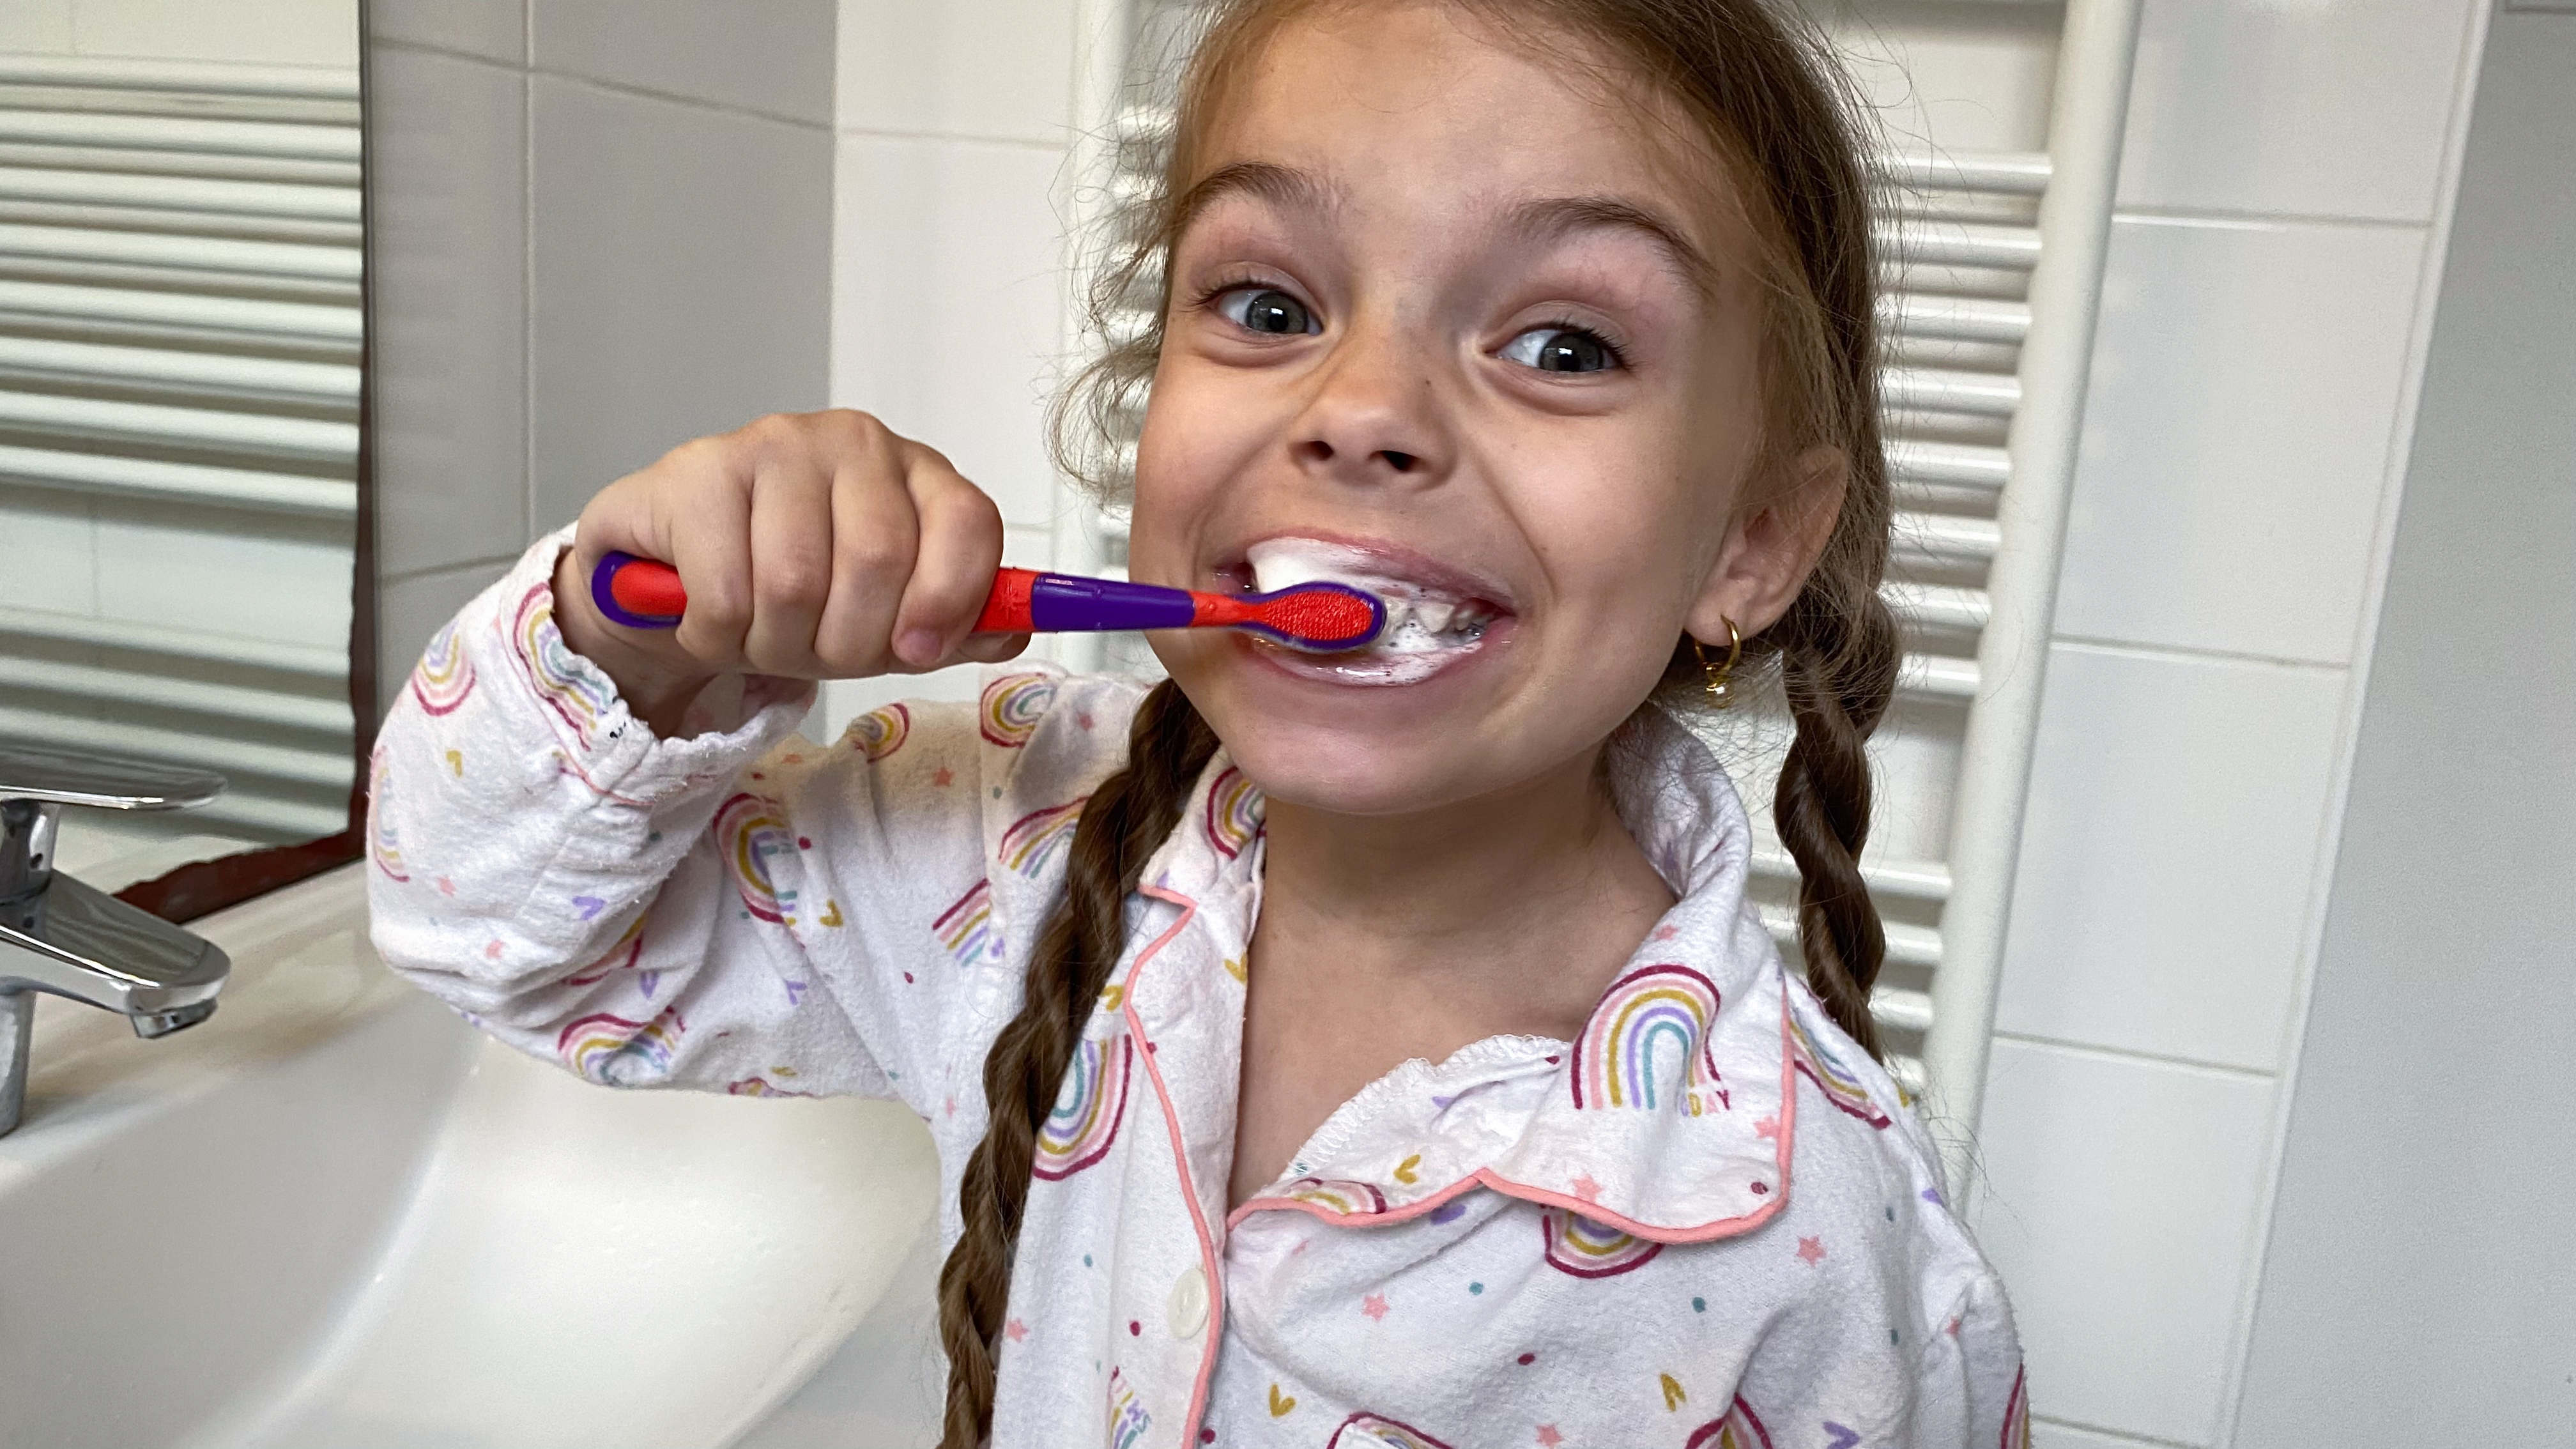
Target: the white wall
(2284, 191)
(602, 228)
(2417, 1288)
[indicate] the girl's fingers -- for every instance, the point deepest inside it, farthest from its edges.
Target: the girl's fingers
(961, 546)
(987, 649)
(711, 547)
(875, 536)
(792, 564)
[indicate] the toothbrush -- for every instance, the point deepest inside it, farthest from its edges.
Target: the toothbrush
(1320, 617)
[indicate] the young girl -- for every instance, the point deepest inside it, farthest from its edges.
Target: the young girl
(1366, 1049)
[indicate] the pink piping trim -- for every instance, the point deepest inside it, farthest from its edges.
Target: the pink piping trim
(1487, 1177)
(1180, 1160)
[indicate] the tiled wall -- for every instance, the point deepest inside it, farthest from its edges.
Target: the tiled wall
(2283, 198)
(954, 140)
(603, 228)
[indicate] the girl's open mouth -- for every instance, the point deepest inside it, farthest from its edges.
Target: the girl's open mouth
(1435, 618)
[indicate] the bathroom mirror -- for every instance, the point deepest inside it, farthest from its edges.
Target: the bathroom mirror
(182, 424)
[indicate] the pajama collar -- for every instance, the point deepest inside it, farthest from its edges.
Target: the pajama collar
(1669, 1117)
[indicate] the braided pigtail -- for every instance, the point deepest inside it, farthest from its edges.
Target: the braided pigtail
(1838, 673)
(1122, 824)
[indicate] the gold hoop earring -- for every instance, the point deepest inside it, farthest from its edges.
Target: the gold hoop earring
(1721, 677)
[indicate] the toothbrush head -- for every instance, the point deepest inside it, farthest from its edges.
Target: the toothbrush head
(1319, 617)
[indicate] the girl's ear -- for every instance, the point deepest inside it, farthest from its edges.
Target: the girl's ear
(1770, 550)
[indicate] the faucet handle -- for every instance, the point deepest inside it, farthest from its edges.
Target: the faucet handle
(52, 777)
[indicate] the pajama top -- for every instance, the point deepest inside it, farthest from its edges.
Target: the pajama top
(1710, 1221)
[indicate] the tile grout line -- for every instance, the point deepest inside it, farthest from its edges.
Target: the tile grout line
(1020, 143)
(2183, 652)
(2147, 1439)
(2133, 1054)
(405, 576)
(627, 88)
(2230, 216)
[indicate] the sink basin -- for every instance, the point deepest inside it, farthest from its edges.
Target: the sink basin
(334, 1215)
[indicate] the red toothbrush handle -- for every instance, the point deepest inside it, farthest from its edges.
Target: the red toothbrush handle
(644, 593)
(1007, 608)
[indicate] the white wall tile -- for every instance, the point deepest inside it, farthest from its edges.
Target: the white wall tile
(450, 320)
(252, 32)
(2176, 813)
(270, 577)
(2246, 380)
(996, 69)
(948, 261)
(2305, 107)
(42, 26)
(682, 279)
(2118, 1206)
(50, 546)
(773, 57)
(495, 29)
(409, 610)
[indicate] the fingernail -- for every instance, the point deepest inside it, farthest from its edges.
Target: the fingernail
(917, 646)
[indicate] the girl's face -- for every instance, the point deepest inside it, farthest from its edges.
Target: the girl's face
(1490, 328)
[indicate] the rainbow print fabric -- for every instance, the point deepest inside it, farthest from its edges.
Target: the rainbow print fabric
(444, 675)
(1576, 1245)
(1647, 1042)
(1010, 707)
(1084, 1124)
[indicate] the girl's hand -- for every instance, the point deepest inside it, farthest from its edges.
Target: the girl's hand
(812, 545)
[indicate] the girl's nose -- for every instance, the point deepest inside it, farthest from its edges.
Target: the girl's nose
(1375, 417)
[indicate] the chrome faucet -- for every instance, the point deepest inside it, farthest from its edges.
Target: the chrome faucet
(60, 936)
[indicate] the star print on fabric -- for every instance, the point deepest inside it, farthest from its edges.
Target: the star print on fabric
(1842, 1438)
(1812, 1249)
(1083, 719)
(1015, 1330)
(943, 777)
(1548, 1438)
(1768, 1127)
(1666, 933)
(950, 1109)
(446, 886)
(493, 950)
(1586, 1189)
(1374, 1306)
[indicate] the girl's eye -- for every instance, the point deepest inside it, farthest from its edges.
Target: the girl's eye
(1266, 309)
(1562, 349)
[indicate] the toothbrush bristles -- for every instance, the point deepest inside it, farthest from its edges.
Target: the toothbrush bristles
(1323, 617)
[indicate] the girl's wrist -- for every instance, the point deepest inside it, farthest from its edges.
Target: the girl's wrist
(656, 691)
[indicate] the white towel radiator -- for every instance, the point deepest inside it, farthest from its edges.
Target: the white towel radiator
(180, 329)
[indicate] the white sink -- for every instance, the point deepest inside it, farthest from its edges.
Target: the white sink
(334, 1215)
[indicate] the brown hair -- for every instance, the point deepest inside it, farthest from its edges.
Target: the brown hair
(1772, 103)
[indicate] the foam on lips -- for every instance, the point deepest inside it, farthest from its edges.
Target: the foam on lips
(1424, 626)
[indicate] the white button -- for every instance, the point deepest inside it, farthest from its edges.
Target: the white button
(1189, 1304)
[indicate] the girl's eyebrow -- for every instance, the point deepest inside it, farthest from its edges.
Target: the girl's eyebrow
(1284, 187)
(1553, 218)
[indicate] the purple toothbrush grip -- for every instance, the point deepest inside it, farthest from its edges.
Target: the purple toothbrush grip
(1063, 603)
